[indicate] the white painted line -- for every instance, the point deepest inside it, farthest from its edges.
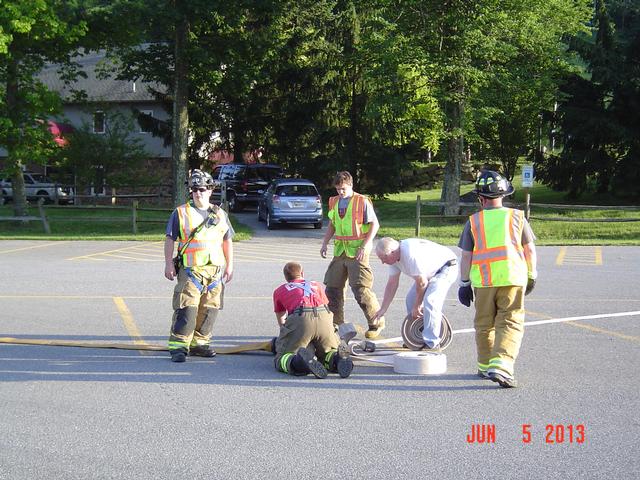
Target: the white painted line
(585, 317)
(531, 324)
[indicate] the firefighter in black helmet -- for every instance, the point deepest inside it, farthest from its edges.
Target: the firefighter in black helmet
(498, 263)
(204, 263)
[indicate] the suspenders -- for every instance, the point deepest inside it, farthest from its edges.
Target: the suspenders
(305, 286)
(308, 291)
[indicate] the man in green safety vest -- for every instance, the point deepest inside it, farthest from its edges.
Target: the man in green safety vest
(353, 225)
(499, 262)
(204, 264)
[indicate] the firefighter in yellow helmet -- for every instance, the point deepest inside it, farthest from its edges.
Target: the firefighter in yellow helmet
(498, 263)
(204, 264)
(354, 224)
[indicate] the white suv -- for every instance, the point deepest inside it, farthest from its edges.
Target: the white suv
(38, 186)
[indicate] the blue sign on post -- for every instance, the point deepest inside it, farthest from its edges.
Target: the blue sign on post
(527, 176)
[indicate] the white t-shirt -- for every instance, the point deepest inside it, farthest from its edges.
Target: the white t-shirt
(420, 257)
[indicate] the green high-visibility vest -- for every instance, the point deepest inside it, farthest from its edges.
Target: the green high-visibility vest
(350, 230)
(498, 257)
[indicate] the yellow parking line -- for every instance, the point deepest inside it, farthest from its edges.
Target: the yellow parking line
(31, 247)
(279, 260)
(598, 254)
(104, 253)
(61, 297)
(131, 258)
(276, 255)
(129, 297)
(157, 254)
(129, 323)
(606, 332)
(579, 256)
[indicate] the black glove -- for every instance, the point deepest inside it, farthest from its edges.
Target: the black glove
(465, 295)
(531, 283)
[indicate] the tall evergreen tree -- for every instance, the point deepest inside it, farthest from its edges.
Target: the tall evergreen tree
(470, 49)
(598, 113)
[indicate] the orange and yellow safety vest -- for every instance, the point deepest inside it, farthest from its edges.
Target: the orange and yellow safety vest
(350, 229)
(498, 258)
(206, 246)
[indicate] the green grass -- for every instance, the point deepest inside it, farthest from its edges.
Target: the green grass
(397, 214)
(71, 223)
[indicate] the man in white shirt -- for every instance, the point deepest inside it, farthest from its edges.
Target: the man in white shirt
(433, 269)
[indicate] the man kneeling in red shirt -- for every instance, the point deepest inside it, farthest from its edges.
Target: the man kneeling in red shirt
(306, 324)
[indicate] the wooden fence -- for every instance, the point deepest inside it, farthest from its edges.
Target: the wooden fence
(132, 218)
(474, 206)
(42, 218)
(125, 192)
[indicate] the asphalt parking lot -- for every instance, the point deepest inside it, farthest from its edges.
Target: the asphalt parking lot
(88, 413)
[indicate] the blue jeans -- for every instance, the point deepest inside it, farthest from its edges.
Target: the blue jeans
(434, 298)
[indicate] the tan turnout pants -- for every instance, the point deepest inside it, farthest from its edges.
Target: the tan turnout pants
(499, 324)
(306, 329)
(194, 311)
(360, 279)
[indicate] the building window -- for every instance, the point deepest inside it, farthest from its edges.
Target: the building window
(98, 122)
(144, 122)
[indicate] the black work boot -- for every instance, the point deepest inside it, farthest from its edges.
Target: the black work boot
(343, 362)
(305, 362)
(502, 379)
(178, 356)
(202, 351)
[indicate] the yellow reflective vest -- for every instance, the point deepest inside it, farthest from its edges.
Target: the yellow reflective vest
(350, 230)
(498, 258)
(206, 246)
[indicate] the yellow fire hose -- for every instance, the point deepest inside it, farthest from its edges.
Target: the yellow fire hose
(247, 347)
(384, 351)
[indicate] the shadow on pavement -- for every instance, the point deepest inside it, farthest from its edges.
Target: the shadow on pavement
(22, 363)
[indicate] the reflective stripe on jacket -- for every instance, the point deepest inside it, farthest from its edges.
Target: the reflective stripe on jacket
(350, 230)
(498, 258)
(206, 246)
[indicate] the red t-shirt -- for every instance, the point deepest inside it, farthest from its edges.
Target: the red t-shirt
(287, 297)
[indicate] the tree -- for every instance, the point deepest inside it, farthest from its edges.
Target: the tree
(316, 86)
(180, 133)
(469, 49)
(598, 113)
(115, 158)
(202, 52)
(362, 85)
(345, 94)
(388, 110)
(32, 34)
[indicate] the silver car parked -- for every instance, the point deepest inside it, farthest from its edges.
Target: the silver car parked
(38, 186)
(290, 200)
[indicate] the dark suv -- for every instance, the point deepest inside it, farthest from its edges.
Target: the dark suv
(245, 183)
